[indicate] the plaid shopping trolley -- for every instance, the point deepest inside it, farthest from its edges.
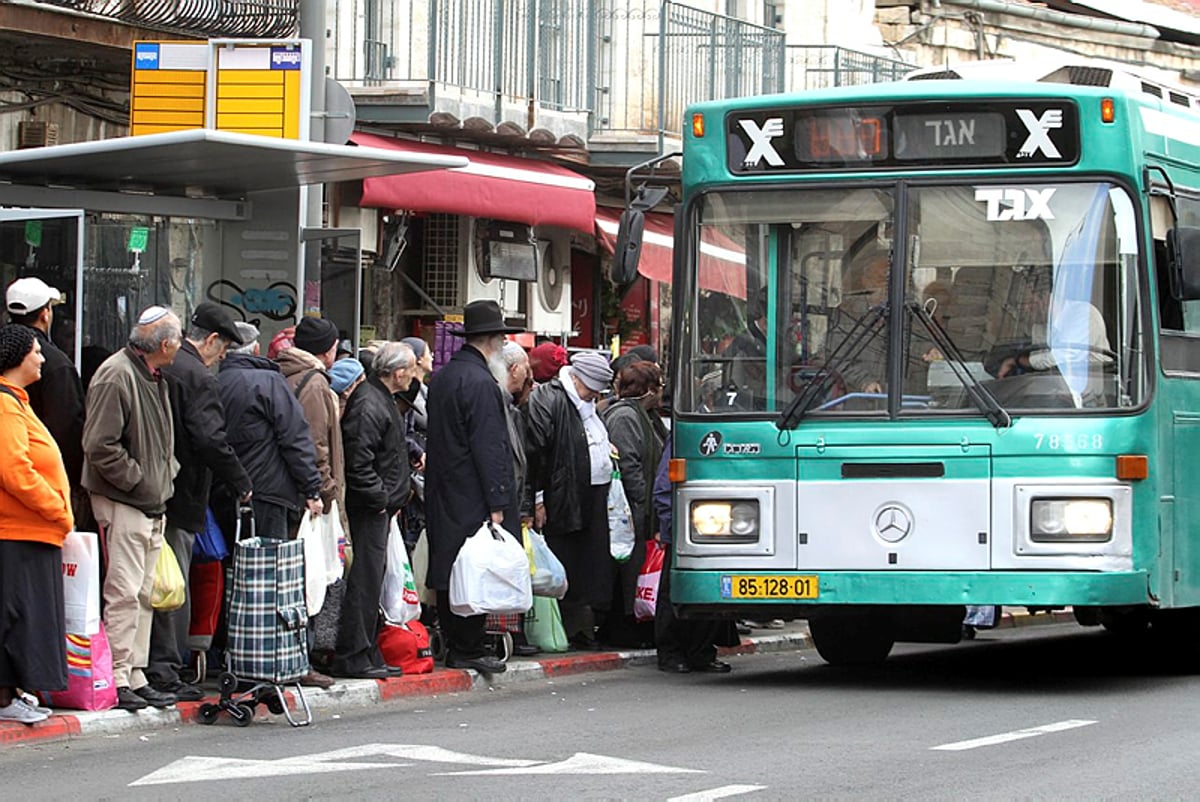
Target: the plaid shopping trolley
(267, 638)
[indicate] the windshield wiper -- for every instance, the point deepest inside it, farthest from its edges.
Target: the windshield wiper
(980, 395)
(850, 347)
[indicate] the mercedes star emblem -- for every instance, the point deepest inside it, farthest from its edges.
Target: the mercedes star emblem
(893, 522)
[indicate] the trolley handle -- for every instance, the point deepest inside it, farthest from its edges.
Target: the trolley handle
(244, 512)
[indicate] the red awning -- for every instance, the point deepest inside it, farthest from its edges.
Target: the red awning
(492, 185)
(722, 264)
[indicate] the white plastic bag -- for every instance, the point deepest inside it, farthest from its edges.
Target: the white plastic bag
(315, 568)
(330, 524)
(490, 574)
(81, 582)
(621, 536)
(549, 576)
(398, 598)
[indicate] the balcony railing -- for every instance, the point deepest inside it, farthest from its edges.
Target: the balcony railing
(198, 18)
(629, 67)
(820, 66)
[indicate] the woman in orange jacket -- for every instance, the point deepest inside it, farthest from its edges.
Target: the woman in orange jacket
(35, 517)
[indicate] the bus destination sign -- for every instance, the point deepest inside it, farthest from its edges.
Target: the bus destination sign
(1016, 133)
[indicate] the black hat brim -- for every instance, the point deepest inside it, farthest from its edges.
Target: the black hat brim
(487, 330)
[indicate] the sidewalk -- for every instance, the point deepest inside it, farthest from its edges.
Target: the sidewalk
(352, 694)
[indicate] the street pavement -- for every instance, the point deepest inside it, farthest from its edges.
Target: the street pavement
(1026, 712)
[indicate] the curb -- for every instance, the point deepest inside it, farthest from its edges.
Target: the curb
(356, 694)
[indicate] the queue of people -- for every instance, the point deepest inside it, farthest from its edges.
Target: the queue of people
(496, 434)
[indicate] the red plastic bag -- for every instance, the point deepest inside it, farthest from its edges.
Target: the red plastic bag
(646, 596)
(90, 684)
(407, 645)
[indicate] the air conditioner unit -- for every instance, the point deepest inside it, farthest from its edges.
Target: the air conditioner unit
(549, 305)
(475, 285)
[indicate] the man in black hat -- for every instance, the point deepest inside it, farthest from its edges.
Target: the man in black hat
(203, 452)
(468, 472)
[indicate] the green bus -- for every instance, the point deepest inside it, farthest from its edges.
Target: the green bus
(936, 343)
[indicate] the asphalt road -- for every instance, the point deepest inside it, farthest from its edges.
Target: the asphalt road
(1040, 712)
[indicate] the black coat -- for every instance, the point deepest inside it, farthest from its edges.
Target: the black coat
(469, 463)
(57, 400)
(201, 445)
(268, 431)
(556, 447)
(375, 440)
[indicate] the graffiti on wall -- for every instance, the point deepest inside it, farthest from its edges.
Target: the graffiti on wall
(277, 301)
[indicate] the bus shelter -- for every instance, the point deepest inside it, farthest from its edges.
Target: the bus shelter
(182, 217)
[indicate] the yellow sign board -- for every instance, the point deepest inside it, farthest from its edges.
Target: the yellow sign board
(249, 86)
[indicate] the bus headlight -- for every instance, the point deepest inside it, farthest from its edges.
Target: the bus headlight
(725, 521)
(1085, 520)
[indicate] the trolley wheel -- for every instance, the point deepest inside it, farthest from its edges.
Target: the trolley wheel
(274, 704)
(243, 715)
(227, 683)
(208, 713)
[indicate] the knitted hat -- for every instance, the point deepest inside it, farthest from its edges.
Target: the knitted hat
(315, 335)
(16, 342)
(545, 361)
(343, 373)
(592, 369)
(281, 342)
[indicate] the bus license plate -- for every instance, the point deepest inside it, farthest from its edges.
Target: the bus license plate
(745, 586)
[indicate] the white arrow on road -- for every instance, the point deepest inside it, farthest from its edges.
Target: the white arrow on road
(201, 769)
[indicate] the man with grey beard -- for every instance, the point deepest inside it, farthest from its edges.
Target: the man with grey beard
(468, 472)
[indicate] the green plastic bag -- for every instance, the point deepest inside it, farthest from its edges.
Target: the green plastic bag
(543, 625)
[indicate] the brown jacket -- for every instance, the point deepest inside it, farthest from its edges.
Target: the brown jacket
(321, 410)
(128, 435)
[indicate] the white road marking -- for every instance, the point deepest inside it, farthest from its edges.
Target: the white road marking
(200, 769)
(584, 763)
(718, 793)
(1015, 735)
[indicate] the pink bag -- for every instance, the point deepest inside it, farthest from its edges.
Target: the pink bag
(90, 684)
(646, 595)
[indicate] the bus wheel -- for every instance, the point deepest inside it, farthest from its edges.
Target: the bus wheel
(1125, 621)
(859, 639)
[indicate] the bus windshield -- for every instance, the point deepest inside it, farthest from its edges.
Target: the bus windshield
(1032, 287)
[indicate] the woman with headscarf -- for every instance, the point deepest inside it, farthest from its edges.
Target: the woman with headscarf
(636, 431)
(35, 517)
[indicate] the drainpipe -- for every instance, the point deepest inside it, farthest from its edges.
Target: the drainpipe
(1053, 17)
(312, 197)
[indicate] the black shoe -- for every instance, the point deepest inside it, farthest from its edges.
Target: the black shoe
(342, 671)
(182, 691)
(484, 665)
(526, 650)
(675, 668)
(580, 643)
(128, 700)
(392, 671)
(156, 698)
(714, 667)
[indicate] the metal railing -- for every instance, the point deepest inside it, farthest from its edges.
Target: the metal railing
(821, 66)
(198, 18)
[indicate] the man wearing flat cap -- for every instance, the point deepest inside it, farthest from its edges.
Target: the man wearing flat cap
(468, 471)
(205, 456)
(567, 440)
(57, 397)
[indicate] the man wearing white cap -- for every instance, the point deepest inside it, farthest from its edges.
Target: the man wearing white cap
(56, 398)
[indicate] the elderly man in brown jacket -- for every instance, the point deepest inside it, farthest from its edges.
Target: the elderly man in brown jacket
(129, 470)
(306, 367)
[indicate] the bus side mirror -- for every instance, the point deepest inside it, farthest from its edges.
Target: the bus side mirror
(629, 246)
(1183, 262)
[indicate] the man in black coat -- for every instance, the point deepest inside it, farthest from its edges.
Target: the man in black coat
(204, 453)
(468, 472)
(57, 397)
(375, 437)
